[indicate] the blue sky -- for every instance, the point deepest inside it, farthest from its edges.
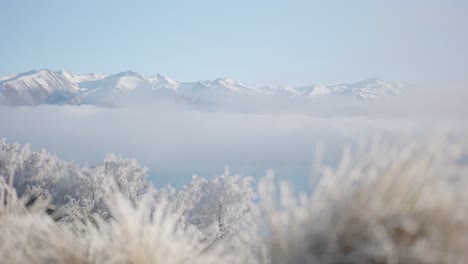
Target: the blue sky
(257, 42)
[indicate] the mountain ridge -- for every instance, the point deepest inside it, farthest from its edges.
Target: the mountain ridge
(45, 86)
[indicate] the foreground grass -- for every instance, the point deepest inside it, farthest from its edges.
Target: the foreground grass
(382, 204)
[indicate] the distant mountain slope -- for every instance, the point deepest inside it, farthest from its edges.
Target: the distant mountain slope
(42, 86)
(64, 87)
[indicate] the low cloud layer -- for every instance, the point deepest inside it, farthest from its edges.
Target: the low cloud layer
(175, 142)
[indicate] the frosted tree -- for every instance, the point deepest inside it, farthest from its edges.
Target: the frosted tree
(41, 173)
(220, 212)
(78, 189)
(116, 174)
(223, 209)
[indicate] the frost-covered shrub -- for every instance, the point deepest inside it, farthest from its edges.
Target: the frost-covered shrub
(384, 204)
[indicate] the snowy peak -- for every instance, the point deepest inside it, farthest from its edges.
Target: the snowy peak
(106, 90)
(321, 90)
(369, 89)
(38, 86)
(279, 90)
(218, 86)
(7, 77)
(129, 73)
(227, 82)
(372, 89)
(126, 81)
(162, 82)
(83, 77)
(232, 85)
(54, 87)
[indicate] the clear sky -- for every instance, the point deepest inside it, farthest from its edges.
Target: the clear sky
(254, 41)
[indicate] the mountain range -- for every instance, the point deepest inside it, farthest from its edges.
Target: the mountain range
(65, 87)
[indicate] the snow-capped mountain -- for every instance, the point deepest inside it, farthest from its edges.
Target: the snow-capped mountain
(216, 87)
(35, 87)
(64, 87)
(162, 82)
(42, 86)
(369, 89)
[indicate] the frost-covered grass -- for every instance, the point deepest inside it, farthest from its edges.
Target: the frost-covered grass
(382, 204)
(134, 234)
